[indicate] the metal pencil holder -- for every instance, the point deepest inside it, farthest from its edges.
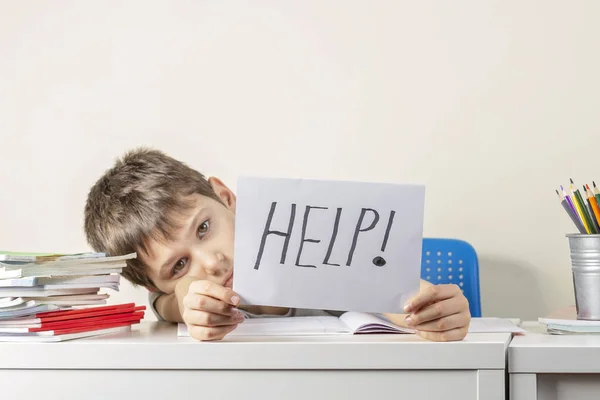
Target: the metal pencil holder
(585, 265)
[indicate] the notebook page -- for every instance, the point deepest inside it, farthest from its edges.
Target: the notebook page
(360, 322)
(371, 323)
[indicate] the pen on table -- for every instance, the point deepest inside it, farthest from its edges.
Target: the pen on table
(593, 205)
(571, 213)
(581, 210)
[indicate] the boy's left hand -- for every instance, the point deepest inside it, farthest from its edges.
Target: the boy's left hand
(439, 313)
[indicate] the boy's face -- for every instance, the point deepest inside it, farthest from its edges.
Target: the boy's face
(201, 248)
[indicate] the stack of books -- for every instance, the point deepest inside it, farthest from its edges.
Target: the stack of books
(54, 297)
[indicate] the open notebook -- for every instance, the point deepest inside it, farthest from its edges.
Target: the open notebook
(349, 323)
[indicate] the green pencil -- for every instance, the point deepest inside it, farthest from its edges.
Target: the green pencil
(584, 209)
(596, 193)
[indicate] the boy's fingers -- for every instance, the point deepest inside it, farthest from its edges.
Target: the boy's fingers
(447, 323)
(207, 319)
(446, 336)
(214, 333)
(435, 311)
(430, 295)
(215, 290)
(201, 302)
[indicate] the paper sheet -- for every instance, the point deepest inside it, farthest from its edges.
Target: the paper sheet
(350, 246)
(493, 325)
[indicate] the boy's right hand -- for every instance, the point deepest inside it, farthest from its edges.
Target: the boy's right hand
(208, 309)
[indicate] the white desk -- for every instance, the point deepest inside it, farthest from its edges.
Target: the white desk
(553, 367)
(152, 363)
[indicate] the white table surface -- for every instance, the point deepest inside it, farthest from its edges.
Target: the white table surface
(540, 352)
(151, 362)
(542, 366)
(155, 345)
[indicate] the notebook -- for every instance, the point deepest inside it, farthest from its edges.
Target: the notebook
(349, 323)
(564, 321)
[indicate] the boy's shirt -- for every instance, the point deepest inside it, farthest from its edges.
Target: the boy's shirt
(293, 312)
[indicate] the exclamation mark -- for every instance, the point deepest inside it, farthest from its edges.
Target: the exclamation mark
(380, 261)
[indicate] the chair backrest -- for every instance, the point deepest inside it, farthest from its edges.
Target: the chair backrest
(453, 261)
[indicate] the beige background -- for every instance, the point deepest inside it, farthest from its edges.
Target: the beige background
(491, 104)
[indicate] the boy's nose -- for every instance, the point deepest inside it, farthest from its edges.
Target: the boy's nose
(212, 262)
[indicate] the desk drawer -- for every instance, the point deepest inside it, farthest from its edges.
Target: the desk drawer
(239, 384)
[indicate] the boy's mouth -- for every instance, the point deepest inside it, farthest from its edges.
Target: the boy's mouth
(229, 281)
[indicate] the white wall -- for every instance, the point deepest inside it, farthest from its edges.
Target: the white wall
(491, 104)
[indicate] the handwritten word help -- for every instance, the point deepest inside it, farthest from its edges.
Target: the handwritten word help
(367, 221)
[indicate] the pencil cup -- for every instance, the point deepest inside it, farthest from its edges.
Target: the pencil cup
(585, 265)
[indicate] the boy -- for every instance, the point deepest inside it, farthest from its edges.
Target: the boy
(182, 227)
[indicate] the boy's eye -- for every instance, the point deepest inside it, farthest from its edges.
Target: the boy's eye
(203, 228)
(179, 265)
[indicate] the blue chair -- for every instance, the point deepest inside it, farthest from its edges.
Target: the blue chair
(453, 261)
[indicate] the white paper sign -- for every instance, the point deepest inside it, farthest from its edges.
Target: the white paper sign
(328, 245)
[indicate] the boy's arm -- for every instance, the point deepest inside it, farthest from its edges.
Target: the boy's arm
(166, 306)
(438, 312)
(169, 306)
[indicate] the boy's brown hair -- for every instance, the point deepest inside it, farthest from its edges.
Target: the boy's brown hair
(135, 201)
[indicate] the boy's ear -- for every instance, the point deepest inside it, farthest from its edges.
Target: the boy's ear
(223, 192)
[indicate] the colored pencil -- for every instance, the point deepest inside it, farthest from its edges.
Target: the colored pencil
(572, 204)
(596, 192)
(581, 210)
(571, 213)
(568, 198)
(593, 206)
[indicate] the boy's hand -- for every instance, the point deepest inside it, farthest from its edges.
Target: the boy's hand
(439, 313)
(207, 308)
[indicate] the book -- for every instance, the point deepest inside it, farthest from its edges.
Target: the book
(349, 323)
(25, 309)
(87, 322)
(70, 300)
(72, 314)
(41, 291)
(59, 280)
(564, 321)
(25, 257)
(21, 266)
(70, 324)
(67, 335)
